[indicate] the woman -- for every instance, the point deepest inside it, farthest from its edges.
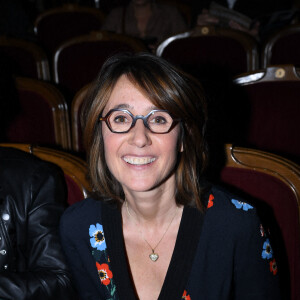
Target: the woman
(150, 230)
(146, 20)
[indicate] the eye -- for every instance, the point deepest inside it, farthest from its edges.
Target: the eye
(158, 120)
(120, 119)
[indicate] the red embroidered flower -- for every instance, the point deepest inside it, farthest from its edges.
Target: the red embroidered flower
(273, 267)
(262, 230)
(185, 296)
(210, 201)
(104, 273)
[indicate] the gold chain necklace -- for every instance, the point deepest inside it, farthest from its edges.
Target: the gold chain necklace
(153, 256)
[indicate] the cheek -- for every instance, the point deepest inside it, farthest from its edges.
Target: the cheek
(110, 145)
(169, 145)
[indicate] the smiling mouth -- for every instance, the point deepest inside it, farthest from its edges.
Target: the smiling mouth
(139, 160)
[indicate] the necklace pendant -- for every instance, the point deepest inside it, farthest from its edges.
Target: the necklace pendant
(154, 256)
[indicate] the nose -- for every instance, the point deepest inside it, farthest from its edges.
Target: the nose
(139, 135)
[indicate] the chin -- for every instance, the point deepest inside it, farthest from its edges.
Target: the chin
(139, 186)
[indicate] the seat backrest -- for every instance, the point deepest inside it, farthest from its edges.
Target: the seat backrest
(275, 182)
(282, 47)
(25, 58)
(57, 25)
(78, 61)
(272, 95)
(211, 46)
(43, 117)
(74, 168)
(77, 141)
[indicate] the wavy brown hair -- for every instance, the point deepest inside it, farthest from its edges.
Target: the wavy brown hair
(167, 88)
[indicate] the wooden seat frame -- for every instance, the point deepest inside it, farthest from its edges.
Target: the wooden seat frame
(283, 169)
(69, 8)
(96, 36)
(271, 73)
(38, 54)
(266, 53)
(58, 104)
(247, 41)
(75, 118)
(74, 167)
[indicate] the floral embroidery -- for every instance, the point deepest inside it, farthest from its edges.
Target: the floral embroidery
(105, 274)
(210, 201)
(239, 204)
(185, 296)
(97, 237)
(273, 267)
(99, 252)
(267, 252)
(262, 231)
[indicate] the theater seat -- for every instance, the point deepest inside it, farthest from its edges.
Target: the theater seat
(79, 60)
(56, 25)
(43, 116)
(274, 183)
(273, 123)
(211, 47)
(282, 47)
(25, 58)
(74, 168)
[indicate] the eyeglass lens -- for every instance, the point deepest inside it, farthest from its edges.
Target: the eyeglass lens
(157, 121)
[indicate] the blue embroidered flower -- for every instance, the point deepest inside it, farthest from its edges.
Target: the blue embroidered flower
(239, 204)
(267, 252)
(97, 237)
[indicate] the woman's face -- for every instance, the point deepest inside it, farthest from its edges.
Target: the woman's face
(140, 160)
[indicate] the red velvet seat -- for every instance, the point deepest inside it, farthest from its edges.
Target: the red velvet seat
(275, 182)
(43, 117)
(55, 26)
(283, 47)
(212, 46)
(73, 167)
(79, 60)
(273, 122)
(25, 58)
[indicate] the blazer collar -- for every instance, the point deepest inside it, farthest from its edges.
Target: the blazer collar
(181, 262)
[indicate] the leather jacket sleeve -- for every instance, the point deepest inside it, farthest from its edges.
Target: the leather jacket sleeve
(31, 203)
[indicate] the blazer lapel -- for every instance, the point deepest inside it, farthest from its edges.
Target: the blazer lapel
(181, 261)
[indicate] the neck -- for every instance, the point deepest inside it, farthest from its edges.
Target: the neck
(150, 210)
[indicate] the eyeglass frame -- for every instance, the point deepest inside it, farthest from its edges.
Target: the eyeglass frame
(135, 118)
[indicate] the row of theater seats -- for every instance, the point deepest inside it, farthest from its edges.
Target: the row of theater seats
(70, 49)
(233, 48)
(258, 109)
(270, 179)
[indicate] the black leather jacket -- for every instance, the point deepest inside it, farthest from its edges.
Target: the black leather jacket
(32, 193)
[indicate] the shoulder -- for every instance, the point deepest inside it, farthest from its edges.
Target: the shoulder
(79, 219)
(19, 168)
(228, 211)
(78, 214)
(223, 200)
(15, 160)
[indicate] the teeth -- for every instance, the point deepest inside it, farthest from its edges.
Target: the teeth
(139, 160)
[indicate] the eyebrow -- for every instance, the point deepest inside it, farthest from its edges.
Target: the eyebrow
(127, 106)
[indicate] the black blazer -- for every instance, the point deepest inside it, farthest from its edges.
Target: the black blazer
(32, 193)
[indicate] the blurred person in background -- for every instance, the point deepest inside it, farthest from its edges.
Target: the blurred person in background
(147, 20)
